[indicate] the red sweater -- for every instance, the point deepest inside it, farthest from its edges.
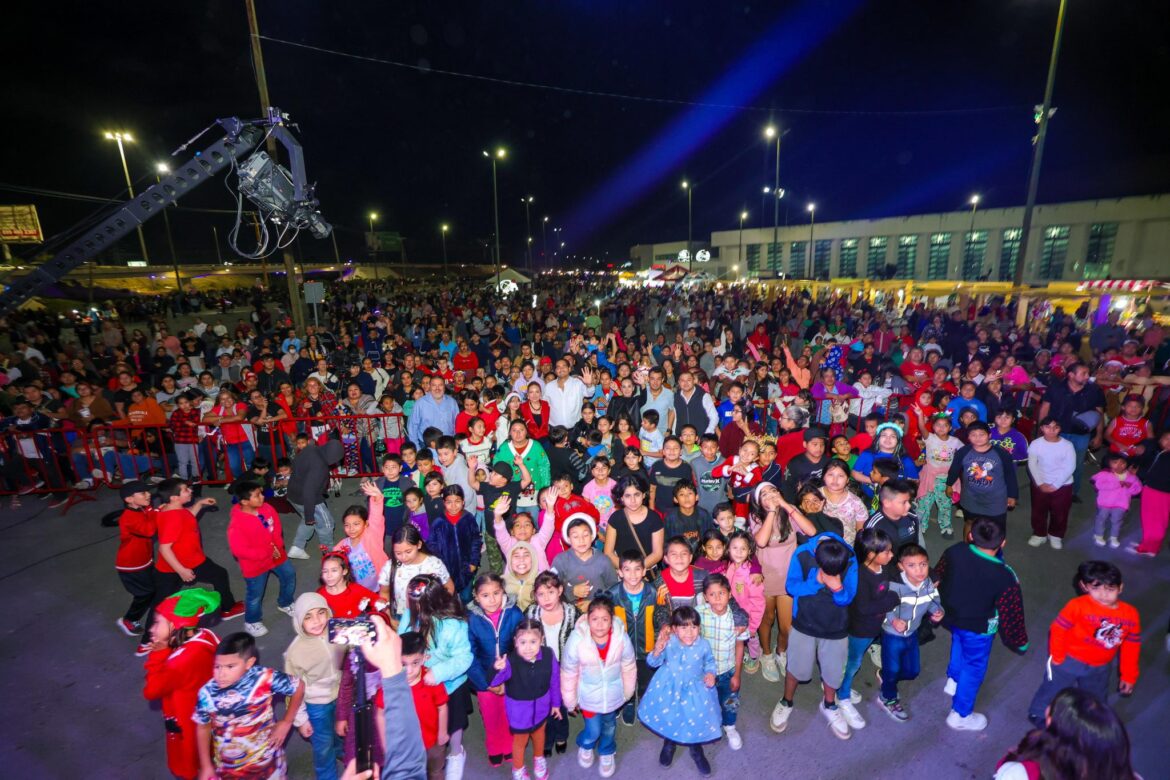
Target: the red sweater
(256, 541)
(1094, 635)
(136, 529)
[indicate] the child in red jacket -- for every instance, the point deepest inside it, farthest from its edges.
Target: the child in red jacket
(257, 542)
(180, 662)
(135, 559)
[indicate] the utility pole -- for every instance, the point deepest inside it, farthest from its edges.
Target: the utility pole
(160, 169)
(1038, 149)
(296, 304)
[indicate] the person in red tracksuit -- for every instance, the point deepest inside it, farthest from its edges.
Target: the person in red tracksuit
(180, 662)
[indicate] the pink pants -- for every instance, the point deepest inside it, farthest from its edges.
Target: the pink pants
(1155, 517)
(497, 735)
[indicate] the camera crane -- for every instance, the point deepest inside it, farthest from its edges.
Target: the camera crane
(285, 199)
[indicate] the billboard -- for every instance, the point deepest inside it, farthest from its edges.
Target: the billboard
(384, 241)
(20, 225)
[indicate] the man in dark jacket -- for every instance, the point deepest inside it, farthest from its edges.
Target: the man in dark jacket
(306, 489)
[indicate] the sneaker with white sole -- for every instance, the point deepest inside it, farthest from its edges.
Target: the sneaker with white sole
(751, 665)
(836, 720)
(973, 722)
(286, 610)
(1098, 540)
(852, 716)
(768, 668)
(455, 764)
(854, 697)
(779, 720)
(782, 664)
(1114, 542)
(607, 765)
(83, 484)
(894, 709)
(143, 650)
(1055, 542)
(950, 687)
(128, 628)
(540, 768)
(300, 555)
(584, 757)
(98, 474)
(734, 740)
(520, 774)
(256, 629)
(1036, 541)
(1136, 549)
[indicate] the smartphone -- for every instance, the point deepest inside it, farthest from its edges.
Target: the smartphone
(352, 632)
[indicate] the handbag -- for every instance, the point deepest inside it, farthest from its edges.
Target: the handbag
(651, 574)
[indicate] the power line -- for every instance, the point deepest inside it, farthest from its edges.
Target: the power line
(427, 69)
(61, 195)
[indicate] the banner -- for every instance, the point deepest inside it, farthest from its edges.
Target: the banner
(20, 225)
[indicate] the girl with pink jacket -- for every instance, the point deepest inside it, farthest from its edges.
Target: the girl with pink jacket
(747, 588)
(363, 542)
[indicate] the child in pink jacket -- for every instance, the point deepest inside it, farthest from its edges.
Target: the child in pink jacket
(523, 530)
(1116, 486)
(364, 534)
(747, 588)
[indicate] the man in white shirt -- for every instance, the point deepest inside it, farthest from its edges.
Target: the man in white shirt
(1051, 463)
(567, 393)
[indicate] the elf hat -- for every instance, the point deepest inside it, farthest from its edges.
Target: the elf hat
(574, 518)
(185, 608)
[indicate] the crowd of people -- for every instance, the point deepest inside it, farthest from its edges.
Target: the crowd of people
(613, 511)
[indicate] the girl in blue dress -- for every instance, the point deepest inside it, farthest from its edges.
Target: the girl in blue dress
(681, 705)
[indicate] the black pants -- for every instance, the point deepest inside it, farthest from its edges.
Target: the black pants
(645, 675)
(140, 585)
(167, 584)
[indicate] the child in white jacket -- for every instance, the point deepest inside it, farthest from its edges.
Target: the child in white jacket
(598, 674)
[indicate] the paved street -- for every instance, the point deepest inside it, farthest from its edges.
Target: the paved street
(72, 696)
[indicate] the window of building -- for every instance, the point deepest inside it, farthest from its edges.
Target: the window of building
(974, 255)
(753, 259)
(665, 259)
(940, 256)
(774, 259)
(1054, 252)
(822, 251)
(848, 265)
(1009, 254)
(876, 258)
(907, 255)
(1099, 256)
(796, 264)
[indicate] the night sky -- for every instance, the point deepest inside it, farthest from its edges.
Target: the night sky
(874, 96)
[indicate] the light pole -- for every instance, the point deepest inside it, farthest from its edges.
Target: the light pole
(443, 235)
(544, 239)
(742, 216)
(528, 227)
(500, 154)
(735, 270)
(687, 186)
(771, 132)
(159, 170)
(215, 236)
(119, 137)
(812, 220)
(971, 236)
(374, 243)
(1038, 151)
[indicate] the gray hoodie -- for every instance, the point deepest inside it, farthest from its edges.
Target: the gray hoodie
(312, 658)
(915, 604)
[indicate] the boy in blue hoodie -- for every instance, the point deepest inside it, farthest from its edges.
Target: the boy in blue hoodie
(822, 581)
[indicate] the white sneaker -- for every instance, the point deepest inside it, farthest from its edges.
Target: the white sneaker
(455, 764)
(1114, 542)
(256, 629)
(607, 766)
(779, 719)
(286, 610)
(520, 774)
(854, 697)
(769, 669)
(852, 716)
(83, 484)
(782, 664)
(98, 474)
(301, 555)
(1036, 541)
(836, 720)
(584, 757)
(734, 740)
(875, 656)
(973, 722)
(951, 686)
(1056, 542)
(1099, 540)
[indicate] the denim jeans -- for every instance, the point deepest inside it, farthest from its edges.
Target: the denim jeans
(900, 661)
(857, 647)
(323, 528)
(728, 699)
(968, 666)
(1070, 674)
(239, 457)
(599, 733)
(254, 588)
(132, 466)
(1080, 443)
(327, 746)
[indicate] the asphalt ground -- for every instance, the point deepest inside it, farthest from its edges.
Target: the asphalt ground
(71, 694)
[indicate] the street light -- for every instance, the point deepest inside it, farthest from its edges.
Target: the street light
(690, 190)
(544, 239)
(161, 169)
(528, 226)
(771, 132)
(971, 235)
(742, 216)
(812, 218)
(120, 137)
(373, 243)
(500, 154)
(443, 234)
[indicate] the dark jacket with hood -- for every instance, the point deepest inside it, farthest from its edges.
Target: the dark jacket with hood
(310, 475)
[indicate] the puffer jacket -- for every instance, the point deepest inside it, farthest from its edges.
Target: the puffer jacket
(489, 642)
(448, 650)
(748, 595)
(590, 683)
(312, 658)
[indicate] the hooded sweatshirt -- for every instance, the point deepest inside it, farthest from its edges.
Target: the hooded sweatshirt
(312, 658)
(310, 474)
(521, 588)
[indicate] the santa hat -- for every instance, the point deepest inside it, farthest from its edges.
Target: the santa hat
(185, 608)
(574, 518)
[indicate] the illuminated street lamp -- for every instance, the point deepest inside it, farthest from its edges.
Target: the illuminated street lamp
(742, 216)
(690, 190)
(123, 137)
(443, 234)
(528, 226)
(373, 243)
(812, 219)
(770, 132)
(500, 154)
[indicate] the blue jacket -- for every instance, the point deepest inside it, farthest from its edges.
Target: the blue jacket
(458, 547)
(817, 611)
(488, 643)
